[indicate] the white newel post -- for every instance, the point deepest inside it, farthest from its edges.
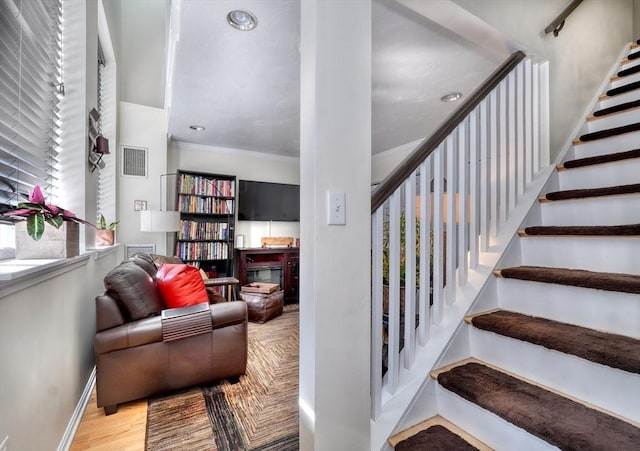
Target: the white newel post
(335, 155)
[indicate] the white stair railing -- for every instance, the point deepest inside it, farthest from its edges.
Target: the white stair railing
(431, 227)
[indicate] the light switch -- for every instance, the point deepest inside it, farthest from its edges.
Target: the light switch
(336, 208)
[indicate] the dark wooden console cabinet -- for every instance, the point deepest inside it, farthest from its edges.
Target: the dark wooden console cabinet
(274, 265)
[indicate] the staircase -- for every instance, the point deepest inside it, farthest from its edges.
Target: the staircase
(550, 356)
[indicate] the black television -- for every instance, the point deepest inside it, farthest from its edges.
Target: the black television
(265, 201)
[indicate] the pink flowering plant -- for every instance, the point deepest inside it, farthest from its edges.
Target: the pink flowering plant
(38, 213)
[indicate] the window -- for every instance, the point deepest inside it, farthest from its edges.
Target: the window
(30, 89)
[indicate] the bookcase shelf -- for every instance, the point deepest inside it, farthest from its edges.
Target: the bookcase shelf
(206, 203)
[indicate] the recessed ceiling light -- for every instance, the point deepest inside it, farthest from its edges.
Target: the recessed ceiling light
(451, 97)
(242, 20)
(197, 128)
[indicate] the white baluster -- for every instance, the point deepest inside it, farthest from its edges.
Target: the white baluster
(452, 183)
(393, 329)
(438, 242)
(410, 271)
(528, 119)
(425, 251)
(474, 217)
(485, 179)
(376, 312)
(461, 215)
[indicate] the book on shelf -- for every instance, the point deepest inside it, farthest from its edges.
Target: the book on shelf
(204, 186)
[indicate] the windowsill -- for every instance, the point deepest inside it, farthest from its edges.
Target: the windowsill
(16, 275)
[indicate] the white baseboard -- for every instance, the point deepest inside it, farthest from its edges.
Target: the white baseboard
(74, 421)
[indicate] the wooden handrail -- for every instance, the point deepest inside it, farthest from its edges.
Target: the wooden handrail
(558, 22)
(411, 163)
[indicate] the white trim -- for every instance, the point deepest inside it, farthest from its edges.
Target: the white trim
(181, 145)
(74, 421)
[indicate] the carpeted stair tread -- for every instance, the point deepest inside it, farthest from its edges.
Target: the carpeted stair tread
(623, 89)
(622, 283)
(608, 133)
(617, 108)
(601, 159)
(559, 421)
(435, 438)
(616, 351)
(608, 230)
(592, 192)
(629, 71)
(633, 55)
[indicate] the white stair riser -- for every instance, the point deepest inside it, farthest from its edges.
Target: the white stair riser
(620, 143)
(608, 388)
(624, 80)
(486, 426)
(620, 119)
(623, 172)
(629, 63)
(613, 312)
(610, 101)
(608, 210)
(605, 254)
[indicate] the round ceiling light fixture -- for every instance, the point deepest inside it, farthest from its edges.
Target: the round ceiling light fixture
(198, 128)
(451, 97)
(242, 20)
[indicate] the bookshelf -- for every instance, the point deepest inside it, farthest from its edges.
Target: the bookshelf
(206, 203)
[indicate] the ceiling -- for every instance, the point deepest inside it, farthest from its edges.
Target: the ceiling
(244, 86)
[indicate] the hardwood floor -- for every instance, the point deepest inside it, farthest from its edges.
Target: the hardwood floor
(124, 430)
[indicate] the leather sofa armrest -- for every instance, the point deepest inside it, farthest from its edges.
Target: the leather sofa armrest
(228, 313)
(182, 322)
(129, 335)
(108, 314)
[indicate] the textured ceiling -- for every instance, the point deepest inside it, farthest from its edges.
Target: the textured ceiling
(244, 87)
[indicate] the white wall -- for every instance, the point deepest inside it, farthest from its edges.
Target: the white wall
(579, 58)
(143, 127)
(142, 50)
(244, 165)
(46, 350)
(384, 162)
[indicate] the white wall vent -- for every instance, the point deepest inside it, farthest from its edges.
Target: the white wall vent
(132, 249)
(134, 161)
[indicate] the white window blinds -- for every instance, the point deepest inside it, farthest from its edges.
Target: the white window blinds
(30, 90)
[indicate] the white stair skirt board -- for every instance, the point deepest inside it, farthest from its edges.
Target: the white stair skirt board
(486, 426)
(608, 311)
(608, 388)
(625, 172)
(626, 117)
(603, 254)
(618, 99)
(619, 143)
(608, 210)
(624, 80)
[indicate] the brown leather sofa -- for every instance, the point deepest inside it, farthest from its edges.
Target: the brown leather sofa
(143, 349)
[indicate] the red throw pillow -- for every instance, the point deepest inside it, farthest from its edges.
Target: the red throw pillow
(180, 285)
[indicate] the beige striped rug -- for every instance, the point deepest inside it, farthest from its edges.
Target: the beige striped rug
(258, 413)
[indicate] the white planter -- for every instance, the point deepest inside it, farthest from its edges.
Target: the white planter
(55, 243)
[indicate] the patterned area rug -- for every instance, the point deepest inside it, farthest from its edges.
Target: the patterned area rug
(258, 413)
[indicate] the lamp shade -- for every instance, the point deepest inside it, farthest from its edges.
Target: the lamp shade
(159, 221)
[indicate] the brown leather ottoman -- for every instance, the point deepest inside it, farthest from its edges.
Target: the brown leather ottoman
(263, 307)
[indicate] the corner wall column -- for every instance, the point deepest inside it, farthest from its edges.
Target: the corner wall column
(335, 155)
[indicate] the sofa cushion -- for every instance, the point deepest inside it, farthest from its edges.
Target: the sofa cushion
(145, 261)
(135, 291)
(180, 285)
